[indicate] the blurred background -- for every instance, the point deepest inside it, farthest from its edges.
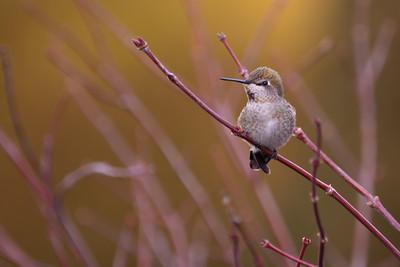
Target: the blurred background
(60, 50)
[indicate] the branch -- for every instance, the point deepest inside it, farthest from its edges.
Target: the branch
(373, 201)
(305, 242)
(268, 245)
(102, 168)
(314, 197)
(143, 46)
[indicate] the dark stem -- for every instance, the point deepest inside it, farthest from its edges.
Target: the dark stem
(314, 197)
(304, 244)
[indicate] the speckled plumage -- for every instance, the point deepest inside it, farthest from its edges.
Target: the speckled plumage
(268, 123)
(267, 117)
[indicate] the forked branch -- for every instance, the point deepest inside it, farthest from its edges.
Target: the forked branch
(268, 245)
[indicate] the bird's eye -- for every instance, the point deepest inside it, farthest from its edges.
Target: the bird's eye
(264, 83)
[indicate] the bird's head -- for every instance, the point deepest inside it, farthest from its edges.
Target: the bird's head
(262, 84)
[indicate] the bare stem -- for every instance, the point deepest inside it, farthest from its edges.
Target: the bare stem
(314, 197)
(143, 46)
(268, 245)
(305, 242)
(242, 69)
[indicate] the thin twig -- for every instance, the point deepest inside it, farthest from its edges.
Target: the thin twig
(74, 238)
(143, 252)
(237, 223)
(314, 197)
(241, 69)
(315, 54)
(143, 46)
(263, 31)
(121, 255)
(116, 28)
(147, 220)
(12, 107)
(12, 252)
(102, 168)
(87, 218)
(46, 161)
(305, 242)
(268, 245)
(235, 247)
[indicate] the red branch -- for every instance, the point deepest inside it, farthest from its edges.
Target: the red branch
(304, 244)
(143, 46)
(242, 69)
(268, 245)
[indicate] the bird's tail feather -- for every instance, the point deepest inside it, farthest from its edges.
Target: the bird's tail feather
(259, 160)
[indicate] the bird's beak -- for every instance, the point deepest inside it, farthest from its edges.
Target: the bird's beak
(234, 80)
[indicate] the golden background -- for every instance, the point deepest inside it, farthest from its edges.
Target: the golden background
(171, 29)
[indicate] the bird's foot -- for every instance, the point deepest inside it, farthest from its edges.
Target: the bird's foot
(237, 130)
(259, 161)
(274, 154)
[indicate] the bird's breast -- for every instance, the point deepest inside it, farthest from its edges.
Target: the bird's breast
(269, 124)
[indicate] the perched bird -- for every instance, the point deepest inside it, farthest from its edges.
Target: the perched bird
(267, 118)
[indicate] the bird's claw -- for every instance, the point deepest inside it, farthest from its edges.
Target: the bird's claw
(237, 130)
(274, 154)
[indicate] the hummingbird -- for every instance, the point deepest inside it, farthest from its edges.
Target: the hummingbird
(267, 118)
